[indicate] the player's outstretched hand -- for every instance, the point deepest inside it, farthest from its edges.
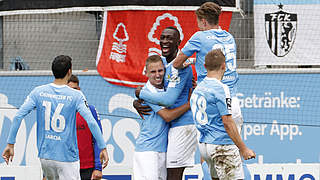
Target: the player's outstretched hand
(248, 154)
(8, 153)
(141, 109)
(104, 158)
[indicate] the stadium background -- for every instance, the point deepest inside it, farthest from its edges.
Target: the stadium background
(279, 102)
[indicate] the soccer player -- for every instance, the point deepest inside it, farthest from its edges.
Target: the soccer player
(211, 37)
(90, 166)
(151, 145)
(220, 143)
(56, 105)
(182, 133)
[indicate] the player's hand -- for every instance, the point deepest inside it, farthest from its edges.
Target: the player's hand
(188, 62)
(8, 153)
(96, 175)
(248, 154)
(104, 158)
(137, 92)
(141, 109)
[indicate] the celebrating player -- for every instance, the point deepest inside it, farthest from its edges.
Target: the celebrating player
(151, 145)
(182, 133)
(219, 136)
(211, 37)
(90, 166)
(56, 105)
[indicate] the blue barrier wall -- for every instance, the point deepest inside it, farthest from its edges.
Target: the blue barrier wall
(267, 100)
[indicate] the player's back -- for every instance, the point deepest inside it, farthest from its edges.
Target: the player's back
(56, 123)
(204, 41)
(208, 104)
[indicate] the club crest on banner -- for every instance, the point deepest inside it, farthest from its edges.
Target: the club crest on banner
(155, 26)
(280, 29)
(129, 36)
(119, 50)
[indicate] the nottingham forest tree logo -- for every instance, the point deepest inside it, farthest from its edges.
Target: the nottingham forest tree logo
(281, 29)
(119, 50)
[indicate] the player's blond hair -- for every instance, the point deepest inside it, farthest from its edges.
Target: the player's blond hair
(214, 60)
(153, 59)
(209, 11)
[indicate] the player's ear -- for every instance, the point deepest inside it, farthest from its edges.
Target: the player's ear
(70, 72)
(223, 66)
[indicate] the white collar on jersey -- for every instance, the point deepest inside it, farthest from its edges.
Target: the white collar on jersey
(215, 29)
(210, 78)
(153, 89)
(58, 86)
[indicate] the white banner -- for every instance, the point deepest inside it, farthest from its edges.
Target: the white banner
(287, 34)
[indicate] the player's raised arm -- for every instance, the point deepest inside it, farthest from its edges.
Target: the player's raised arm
(179, 60)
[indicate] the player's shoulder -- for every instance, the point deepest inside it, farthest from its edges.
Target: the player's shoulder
(223, 89)
(197, 35)
(74, 91)
(41, 87)
(213, 84)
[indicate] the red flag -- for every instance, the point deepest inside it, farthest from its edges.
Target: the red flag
(129, 37)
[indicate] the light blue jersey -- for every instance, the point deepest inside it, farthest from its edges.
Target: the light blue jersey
(178, 83)
(154, 130)
(204, 41)
(56, 107)
(209, 101)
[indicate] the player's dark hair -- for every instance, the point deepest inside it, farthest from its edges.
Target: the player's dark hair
(214, 59)
(60, 66)
(176, 30)
(153, 59)
(209, 11)
(74, 79)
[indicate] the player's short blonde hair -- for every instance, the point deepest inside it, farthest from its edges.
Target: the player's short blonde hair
(214, 60)
(209, 11)
(153, 59)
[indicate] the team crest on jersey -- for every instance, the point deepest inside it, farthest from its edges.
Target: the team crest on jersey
(281, 29)
(174, 78)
